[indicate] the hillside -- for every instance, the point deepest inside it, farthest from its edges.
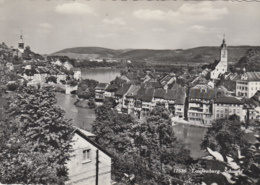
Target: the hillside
(88, 52)
(206, 54)
(251, 61)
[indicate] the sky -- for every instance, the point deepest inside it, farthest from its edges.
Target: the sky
(52, 25)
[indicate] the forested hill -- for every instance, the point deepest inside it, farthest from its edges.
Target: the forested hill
(251, 61)
(206, 54)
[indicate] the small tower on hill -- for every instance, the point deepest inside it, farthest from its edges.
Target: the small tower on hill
(21, 43)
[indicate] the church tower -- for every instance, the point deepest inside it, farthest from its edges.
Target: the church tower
(222, 66)
(21, 44)
(223, 51)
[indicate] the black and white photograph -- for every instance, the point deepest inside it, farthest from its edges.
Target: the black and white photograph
(129, 92)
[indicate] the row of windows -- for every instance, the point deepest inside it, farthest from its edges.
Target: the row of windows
(220, 116)
(228, 105)
(195, 114)
(195, 119)
(242, 88)
(220, 70)
(242, 94)
(228, 110)
(244, 83)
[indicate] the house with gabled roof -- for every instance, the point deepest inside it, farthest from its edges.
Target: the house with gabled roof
(159, 97)
(128, 77)
(147, 99)
(120, 94)
(99, 92)
(89, 162)
(129, 98)
(110, 90)
(150, 77)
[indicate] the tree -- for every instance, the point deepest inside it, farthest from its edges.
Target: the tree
(86, 88)
(12, 86)
(35, 143)
(148, 150)
(225, 136)
(52, 79)
(159, 150)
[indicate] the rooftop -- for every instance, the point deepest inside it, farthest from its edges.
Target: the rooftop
(206, 94)
(123, 90)
(101, 86)
(228, 100)
(251, 76)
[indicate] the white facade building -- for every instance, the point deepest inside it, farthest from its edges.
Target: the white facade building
(83, 161)
(226, 106)
(248, 84)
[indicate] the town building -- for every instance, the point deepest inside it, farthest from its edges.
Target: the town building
(88, 162)
(222, 66)
(226, 106)
(200, 105)
(252, 107)
(99, 92)
(77, 73)
(248, 84)
(68, 65)
(129, 99)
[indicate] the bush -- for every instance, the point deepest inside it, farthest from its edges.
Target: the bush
(92, 103)
(12, 86)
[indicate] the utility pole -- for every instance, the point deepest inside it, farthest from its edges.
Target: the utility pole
(97, 162)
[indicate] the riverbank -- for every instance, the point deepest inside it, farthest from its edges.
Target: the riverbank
(176, 120)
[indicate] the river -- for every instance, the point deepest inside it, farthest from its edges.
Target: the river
(191, 136)
(100, 75)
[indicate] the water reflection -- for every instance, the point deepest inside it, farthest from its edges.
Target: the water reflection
(100, 75)
(81, 116)
(191, 136)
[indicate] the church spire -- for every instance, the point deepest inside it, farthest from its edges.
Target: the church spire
(21, 37)
(21, 43)
(223, 45)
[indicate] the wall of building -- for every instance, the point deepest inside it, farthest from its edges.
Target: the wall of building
(226, 110)
(82, 165)
(247, 88)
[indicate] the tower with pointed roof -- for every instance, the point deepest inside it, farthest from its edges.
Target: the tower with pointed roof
(222, 65)
(21, 44)
(223, 52)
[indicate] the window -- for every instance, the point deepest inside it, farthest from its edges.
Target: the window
(86, 155)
